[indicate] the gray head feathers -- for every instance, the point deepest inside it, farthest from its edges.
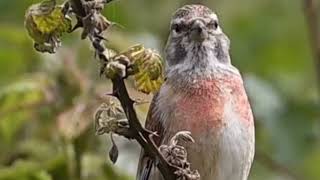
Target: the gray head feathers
(196, 41)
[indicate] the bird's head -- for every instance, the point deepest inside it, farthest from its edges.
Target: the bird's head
(196, 38)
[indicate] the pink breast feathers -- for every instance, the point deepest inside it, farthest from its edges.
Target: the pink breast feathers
(201, 107)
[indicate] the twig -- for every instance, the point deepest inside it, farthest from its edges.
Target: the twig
(312, 19)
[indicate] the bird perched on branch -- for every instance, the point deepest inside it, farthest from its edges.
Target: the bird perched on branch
(204, 94)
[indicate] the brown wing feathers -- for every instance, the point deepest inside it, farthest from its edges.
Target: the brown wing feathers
(152, 123)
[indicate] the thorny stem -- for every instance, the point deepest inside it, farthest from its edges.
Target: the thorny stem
(140, 134)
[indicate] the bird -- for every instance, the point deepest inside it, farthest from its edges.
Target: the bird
(204, 94)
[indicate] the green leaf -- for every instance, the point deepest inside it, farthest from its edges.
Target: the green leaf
(147, 68)
(150, 72)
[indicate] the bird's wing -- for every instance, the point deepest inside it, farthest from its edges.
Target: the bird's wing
(153, 123)
(243, 108)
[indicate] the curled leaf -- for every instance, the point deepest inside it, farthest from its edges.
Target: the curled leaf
(114, 152)
(184, 136)
(109, 117)
(134, 53)
(149, 77)
(146, 67)
(114, 69)
(117, 67)
(177, 155)
(45, 23)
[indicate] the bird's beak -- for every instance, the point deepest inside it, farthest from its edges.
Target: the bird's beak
(198, 31)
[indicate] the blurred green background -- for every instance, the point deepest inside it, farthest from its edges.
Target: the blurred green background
(47, 101)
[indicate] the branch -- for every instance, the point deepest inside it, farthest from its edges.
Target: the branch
(312, 19)
(142, 135)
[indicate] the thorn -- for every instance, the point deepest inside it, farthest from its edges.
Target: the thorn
(66, 8)
(139, 101)
(79, 24)
(102, 69)
(131, 101)
(117, 25)
(115, 94)
(101, 37)
(97, 46)
(103, 57)
(150, 133)
(110, 94)
(153, 134)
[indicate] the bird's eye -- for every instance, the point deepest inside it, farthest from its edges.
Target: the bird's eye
(177, 28)
(213, 25)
